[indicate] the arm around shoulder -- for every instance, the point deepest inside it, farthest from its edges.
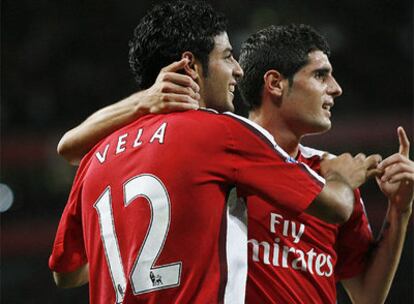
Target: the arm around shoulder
(335, 202)
(343, 174)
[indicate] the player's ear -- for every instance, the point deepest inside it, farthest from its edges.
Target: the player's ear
(192, 67)
(273, 82)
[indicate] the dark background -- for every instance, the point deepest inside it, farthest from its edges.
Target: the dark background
(62, 60)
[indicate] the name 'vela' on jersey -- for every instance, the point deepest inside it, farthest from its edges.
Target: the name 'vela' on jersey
(148, 208)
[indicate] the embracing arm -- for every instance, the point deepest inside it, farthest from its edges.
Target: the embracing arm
(171, 92)
(342, 174)
(397, 183)
(72, 279)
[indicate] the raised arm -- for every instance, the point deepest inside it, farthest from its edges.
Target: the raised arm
(171, 91)
(397, 184)
(343, 174)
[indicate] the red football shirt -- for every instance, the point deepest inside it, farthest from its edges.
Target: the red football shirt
(299, 259)
(148, 209)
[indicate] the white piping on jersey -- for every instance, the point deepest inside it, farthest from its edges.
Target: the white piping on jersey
(209, 110)
(308, 152)
(263, 131)
(236, 249)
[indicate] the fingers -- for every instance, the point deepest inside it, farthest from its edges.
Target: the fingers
(171, 102)
(404, 142)
(360, 155)
(179, 79)
(393, 159)
(373, 173)
(405, 169)
(173, 88)
(371, 164)
(176, 65)
(326, 156)
(403, 176)
(372, 161)
(400, 177)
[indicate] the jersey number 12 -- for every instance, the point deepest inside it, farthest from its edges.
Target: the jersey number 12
(144, 276)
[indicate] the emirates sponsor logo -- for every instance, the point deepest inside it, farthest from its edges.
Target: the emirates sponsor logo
(279, 255)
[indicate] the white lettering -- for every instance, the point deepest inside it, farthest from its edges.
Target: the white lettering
(274, 221)
(300, 259)
(285, 228)
(319, 263)
(276, 252)
(329, 260)
(121, 144)
(311, 254)
(298, 235)
(266, 249)
(101, 157)
(137, 141)
(159, 134)
(285, 254)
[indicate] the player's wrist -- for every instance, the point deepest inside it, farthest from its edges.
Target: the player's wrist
(139, 103)
(401, 211)
(333, 176)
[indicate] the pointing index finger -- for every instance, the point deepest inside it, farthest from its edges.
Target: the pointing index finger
(404, 142)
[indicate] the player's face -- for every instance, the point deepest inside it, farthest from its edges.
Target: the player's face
(309, 100)
(217, 89)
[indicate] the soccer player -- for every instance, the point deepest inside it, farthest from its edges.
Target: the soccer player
(147, 219)
(290, 89)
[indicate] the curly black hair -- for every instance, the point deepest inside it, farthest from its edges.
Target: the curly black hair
(283, 48)
(170, 29)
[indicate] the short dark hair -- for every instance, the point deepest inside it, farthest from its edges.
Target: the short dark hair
(283, 48)
(170, 29)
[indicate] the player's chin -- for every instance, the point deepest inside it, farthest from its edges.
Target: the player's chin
(321, 127)
(229, 106)
(325, 126)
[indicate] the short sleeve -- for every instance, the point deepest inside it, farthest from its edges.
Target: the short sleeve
(68, 252)
(264, 169)
(353, 243)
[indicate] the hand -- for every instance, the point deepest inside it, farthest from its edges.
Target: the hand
(353, 170)
(397, 180)
(171, 92)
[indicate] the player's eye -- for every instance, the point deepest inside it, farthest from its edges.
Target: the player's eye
(321, 75)
(229, 56)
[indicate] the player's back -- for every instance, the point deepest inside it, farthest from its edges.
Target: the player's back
(148, 205)
(154, 212)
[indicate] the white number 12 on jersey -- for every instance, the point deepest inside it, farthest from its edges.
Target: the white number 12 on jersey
(144, 276)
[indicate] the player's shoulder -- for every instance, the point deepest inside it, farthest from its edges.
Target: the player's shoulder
(214, 121)
(250, 125)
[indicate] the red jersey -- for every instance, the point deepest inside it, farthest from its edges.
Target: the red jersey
(148, 208)
(299, 259)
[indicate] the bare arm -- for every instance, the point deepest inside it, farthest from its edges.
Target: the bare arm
(397, 183)
(72, 279)
(343, 174)
(171, 92)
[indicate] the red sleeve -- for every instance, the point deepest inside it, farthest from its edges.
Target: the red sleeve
(353, 243)
(68, 252)
(264, 169)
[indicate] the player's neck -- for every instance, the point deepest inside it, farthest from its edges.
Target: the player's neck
(284, 136)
